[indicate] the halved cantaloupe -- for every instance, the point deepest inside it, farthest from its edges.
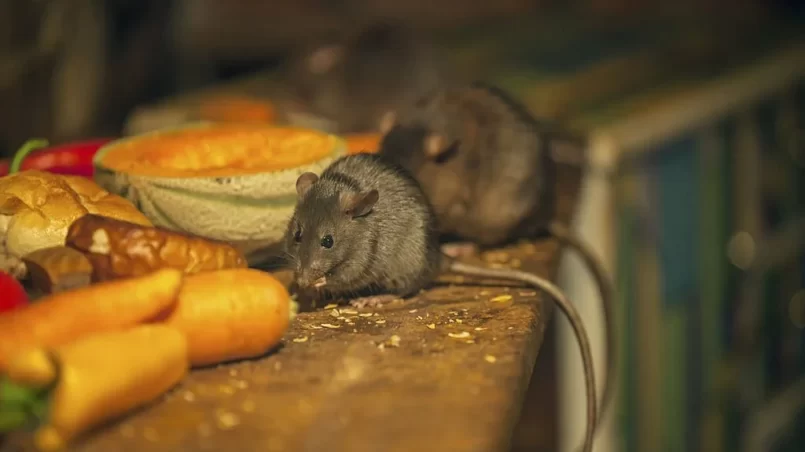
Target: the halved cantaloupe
(363, 142)
(234, 182)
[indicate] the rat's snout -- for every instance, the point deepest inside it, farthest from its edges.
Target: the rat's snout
(311, 278)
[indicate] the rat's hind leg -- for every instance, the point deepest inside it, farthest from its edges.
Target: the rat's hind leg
(373, 301)
(457, 250)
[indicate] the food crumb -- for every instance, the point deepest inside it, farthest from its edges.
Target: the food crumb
(453, 313)
(432, 326)
(380, 322)
(331, 306)
(394, 341)
(240, 384)
(233, 372)
(381, 346)
(451, 321)
(412, 311)
(248, 406)
(459, 321)
(501, 298)
(227, 420)
(354, 330)
(528, 293)
(300, 339)
(478, 328)
(419, 317)
(470, 341)
(484, 292)
(461, 335)
(278, 365)
(150, 434)
(330, 325)
(365, 314)
(315, 327)
(335, 313)
(490, 358)
(349, 311)
(189, 396)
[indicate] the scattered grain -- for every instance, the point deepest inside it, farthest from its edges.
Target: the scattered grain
(300, 339)
(461, 335)
(330, 325)
(501, 299)
(431, 326)
(228, 420)
(490, 358)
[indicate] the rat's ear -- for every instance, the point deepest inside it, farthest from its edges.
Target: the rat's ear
(304, 183)
(434, 144)
(359, 204)
(324, 58)
(387, 122)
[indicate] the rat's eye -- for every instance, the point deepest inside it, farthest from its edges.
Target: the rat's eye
(298, 235)
(327, 241)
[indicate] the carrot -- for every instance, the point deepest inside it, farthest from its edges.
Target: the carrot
(231, 314)
(65, 316)
(74, 387)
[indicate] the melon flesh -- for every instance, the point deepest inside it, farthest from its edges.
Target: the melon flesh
(230, 182)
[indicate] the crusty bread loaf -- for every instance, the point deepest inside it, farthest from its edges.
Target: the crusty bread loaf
(37, 207)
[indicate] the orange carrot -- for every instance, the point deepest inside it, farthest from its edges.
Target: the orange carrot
(66, 316)
(231, 314)
(93, 379)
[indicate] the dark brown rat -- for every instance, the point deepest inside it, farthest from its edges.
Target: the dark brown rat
(352, 80)
(364, 228)
(488, 168)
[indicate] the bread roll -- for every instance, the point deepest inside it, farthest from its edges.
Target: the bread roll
(37, 207)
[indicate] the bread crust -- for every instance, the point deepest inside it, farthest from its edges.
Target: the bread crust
(37, 208)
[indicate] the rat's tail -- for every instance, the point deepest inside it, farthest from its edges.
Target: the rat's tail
(570, 312)
(606, 291)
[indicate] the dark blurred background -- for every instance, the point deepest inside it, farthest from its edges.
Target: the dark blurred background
(700, 198)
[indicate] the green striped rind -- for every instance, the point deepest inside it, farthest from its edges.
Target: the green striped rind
(250, 211)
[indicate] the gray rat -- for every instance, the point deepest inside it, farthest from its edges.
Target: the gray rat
(489, 170)
(352, 80)
(364, 228)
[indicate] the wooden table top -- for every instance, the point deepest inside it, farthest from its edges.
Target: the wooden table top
(446, 370)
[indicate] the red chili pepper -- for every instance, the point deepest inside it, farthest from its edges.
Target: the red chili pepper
(12, 294)
(70, 158)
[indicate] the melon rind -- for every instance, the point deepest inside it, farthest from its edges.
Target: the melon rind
(250, 211)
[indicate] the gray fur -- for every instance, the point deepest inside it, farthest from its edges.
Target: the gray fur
(494, 180)
(381, 67)
(393, 249)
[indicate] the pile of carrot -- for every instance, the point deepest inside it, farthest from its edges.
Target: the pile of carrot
(129, 340)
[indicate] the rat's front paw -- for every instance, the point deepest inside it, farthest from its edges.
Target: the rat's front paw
(460, 249)
(373, 301)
